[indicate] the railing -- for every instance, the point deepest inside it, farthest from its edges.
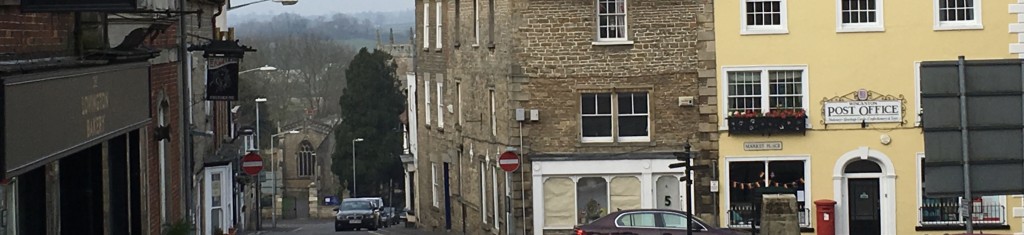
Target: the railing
(743, 216)
(950, 214)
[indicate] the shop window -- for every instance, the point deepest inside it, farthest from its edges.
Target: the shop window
(946, 211)
(749, 177)
(591, 199)
(558, 206)
(624, 193)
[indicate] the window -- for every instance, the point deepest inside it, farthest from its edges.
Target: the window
(677, 221)
(494, 119)
(440, 102)
(946, 211)
(636, 220)
(426, 97)
(494, 194)
(591, 199)
(957, 14)
(611, 20)
(306, 160)
(476, 23)
(483, 192)
(764, 17)
(426, 25)
(458, 90)
(598, 117)
(765, 89)
(559, 207)
(438, 25)
(435, 186)
(859, 15)
(745, 177)
(490, 22)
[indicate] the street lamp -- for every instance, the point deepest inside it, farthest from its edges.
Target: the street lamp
(354, 164)
(259, 188)
(283, 2)
(277, 173)
(264, 68)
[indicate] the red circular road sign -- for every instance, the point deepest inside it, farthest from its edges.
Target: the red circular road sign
(252, 163)
(508, 161)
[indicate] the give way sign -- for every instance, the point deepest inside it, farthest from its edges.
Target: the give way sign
(252, 163)
(508, 161)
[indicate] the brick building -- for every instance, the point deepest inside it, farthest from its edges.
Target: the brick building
(596, 96)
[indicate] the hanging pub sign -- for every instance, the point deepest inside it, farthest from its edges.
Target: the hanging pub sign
(222, 78)
(863, 106)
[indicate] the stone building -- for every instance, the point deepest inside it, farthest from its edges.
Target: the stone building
(596, 97)
(305, 165)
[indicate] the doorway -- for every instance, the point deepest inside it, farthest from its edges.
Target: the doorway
(864, 206)
(864, 183)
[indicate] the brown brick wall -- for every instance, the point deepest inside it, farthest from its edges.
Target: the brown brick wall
(164, 85)
(23, 33)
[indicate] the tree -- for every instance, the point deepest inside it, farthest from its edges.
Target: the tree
(371, 105)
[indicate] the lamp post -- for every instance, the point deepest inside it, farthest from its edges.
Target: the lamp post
(354, 164)
(259, 189)
(277, 173)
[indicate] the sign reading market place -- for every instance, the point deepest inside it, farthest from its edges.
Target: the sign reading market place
(863, 106)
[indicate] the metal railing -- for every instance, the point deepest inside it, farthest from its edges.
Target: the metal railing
(743, 216)
(950, 214)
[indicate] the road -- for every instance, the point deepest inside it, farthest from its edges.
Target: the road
(325, 227)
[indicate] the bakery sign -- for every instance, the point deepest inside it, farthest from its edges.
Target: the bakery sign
(863, 106)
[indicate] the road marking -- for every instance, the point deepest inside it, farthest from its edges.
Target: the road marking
(375, 232)
(296, 229)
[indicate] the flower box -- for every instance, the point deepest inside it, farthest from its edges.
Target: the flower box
(775, 122)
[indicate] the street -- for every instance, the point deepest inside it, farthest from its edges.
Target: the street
(326, 226)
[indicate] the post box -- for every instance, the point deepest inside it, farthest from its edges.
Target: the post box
(826, 214)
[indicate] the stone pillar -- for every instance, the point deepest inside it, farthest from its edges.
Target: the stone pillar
(779, 215)
(314, 205)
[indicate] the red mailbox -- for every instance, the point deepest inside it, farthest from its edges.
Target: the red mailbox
(826, 217)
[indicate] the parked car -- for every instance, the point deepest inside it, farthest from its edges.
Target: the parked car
(392, 215)
(379, 207)
(649, 221)
(356, 213)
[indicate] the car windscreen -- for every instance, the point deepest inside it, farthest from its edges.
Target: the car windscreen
(355, 205)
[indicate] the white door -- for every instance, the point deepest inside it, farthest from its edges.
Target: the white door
(218, 199)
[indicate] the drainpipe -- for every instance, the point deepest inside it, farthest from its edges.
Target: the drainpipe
(186, 111)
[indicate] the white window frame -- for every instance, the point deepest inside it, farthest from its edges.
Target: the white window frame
(494, 118)
(494, 194)
(782, 28)
(957, 25)
(426, 25)
(766, 159)
(434, 185)
(921, 185)
(615, 119)
(476, 23)
(877, 26)
(438, 24)
(426, 98)
(458, 91)
(624, 40)
(440, 102)
(483, 192)
(765, 106)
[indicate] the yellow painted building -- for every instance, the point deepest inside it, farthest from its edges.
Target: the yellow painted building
(858, 59)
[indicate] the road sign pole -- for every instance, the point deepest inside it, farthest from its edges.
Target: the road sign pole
(969, 221)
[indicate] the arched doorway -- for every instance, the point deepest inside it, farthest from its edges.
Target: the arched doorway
(864, 182)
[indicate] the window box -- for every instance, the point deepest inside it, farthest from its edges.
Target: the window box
(775, 122)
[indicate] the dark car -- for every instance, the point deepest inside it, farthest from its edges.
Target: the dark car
(649, 222)
(391, 215)
(354, 214)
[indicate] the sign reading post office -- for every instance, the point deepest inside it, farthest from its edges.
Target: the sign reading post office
(863, 106)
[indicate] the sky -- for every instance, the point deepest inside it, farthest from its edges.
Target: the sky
(322, 7)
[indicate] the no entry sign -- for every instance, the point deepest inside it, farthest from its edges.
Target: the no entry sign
(508, 161)
(252, 163)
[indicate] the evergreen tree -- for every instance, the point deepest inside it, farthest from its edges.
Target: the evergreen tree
(370, 109)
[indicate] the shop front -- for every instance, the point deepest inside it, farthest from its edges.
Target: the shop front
(72, 144)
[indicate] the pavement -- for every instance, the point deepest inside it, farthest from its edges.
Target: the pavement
(326, 226)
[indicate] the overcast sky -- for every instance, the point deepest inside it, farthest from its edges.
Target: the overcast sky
(322, 7)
